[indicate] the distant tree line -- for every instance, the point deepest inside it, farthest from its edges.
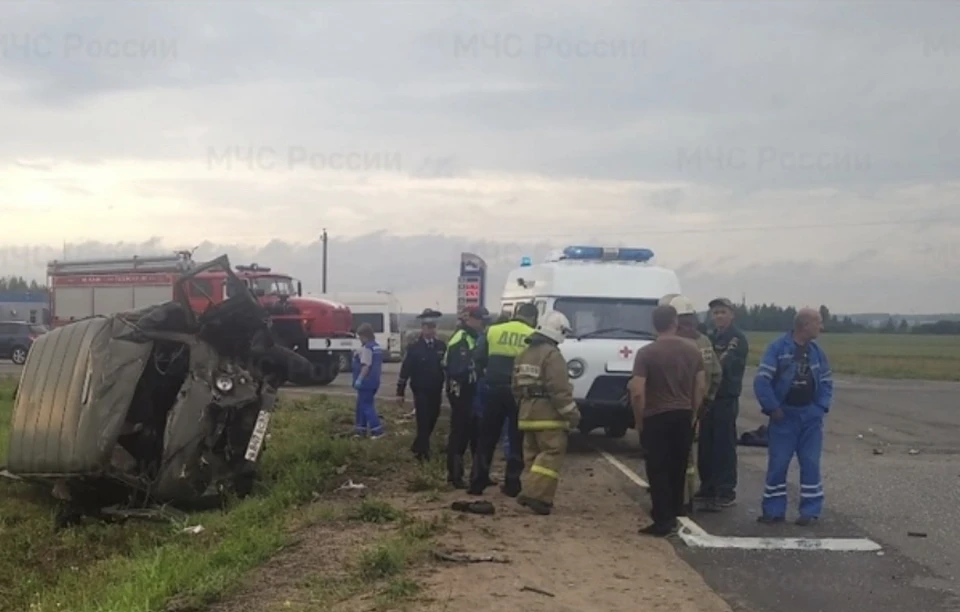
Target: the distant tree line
(18, 283)
(770, 317)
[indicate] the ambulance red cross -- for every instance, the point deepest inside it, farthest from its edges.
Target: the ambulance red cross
(608, 294)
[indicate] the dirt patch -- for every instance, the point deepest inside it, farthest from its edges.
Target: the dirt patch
(587, 555)
(320, 549)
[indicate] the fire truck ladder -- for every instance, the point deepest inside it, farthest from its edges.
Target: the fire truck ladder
(181, 262)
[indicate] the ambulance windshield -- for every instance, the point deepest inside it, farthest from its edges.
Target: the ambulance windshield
(608, 317)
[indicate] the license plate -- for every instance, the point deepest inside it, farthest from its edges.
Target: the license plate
(256, 439)
(345, 344)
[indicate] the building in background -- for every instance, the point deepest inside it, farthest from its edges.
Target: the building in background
(30, 306)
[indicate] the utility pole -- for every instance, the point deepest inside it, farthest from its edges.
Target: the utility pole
(323, 239)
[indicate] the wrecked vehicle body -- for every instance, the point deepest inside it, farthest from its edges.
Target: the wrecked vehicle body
(155, 406)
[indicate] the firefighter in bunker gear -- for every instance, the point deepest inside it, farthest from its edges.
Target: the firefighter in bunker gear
(547, 412)
(794, 387)
(367, 365)
(461, 379)
(495, 354)
(687, 324)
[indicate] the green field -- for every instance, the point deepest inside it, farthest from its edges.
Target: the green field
(145, 566)
(877, 355)
(882, 355)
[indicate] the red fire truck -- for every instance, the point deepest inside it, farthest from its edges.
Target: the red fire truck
(319, 329)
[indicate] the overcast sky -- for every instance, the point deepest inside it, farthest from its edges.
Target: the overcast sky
(799, 153)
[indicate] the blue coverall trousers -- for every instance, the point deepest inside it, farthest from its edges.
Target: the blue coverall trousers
(799, 432)
(366, 417)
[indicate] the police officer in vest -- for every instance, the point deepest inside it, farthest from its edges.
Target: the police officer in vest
(495, 354)
(422, 367)
(461, 377)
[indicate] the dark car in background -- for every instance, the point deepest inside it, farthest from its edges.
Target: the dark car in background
(16, 338)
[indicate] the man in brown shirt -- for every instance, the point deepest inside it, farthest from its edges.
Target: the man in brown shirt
(668, 385)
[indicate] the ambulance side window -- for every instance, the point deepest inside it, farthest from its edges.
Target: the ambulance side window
(507, 309)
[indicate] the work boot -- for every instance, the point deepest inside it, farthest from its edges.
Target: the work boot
(725, 501)
(807, 521)
(661, 530)
(770, 520)
(540, 507)
(475, 490)
(510, 489)
(457, 483)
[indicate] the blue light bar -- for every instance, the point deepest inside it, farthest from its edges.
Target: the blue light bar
(525, 261)
(586, 253)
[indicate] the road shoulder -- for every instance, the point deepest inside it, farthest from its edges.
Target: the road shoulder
(586, 556)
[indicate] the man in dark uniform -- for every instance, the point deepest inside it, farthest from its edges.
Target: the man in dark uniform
(717, 450)
(461, 379)
(423, 367)
(494, 356)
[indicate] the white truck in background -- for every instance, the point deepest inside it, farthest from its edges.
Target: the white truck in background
(380, 309)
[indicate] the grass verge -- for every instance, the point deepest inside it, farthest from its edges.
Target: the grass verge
(141, 566)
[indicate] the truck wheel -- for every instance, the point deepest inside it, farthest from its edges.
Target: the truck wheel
(325, 373)
(615, 431)
(344, 363)
(18, 355)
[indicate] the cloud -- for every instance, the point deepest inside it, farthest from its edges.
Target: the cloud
(750, 138)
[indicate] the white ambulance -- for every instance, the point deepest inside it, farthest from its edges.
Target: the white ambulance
(608, 294)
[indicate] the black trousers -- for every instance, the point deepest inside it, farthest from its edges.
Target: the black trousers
(667, 438)
(462, 432)
(717, 449)
(500, 407)
(426, 403)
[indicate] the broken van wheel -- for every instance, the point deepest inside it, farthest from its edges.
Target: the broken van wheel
(615, 431)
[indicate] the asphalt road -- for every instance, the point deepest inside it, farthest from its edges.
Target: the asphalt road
(911, 487)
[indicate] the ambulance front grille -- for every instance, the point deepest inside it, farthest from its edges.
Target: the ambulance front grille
(608, 388)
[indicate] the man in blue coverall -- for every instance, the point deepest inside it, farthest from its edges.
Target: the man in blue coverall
(367, 364)
(794, 386)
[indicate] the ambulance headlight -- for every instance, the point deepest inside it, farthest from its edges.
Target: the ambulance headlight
(575, 368)
(224, 384)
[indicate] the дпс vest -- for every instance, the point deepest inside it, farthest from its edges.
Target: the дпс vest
(498, 351)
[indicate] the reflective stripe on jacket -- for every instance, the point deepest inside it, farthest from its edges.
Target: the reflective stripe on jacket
(542, 389)
(458, 358)
(498, 349)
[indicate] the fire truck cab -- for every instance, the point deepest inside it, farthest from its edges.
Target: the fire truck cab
(317, 329)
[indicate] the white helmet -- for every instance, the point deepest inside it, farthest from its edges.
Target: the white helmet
(680, 303)
(554, 325)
